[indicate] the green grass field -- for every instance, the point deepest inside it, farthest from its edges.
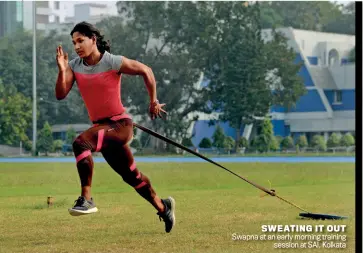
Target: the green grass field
(211, 205)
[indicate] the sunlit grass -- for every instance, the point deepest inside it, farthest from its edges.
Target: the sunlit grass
(211, 205)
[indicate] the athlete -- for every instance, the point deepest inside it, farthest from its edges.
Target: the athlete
(97, 73)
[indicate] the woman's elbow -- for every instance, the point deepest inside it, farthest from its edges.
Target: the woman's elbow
(146, 71)
(60, 96)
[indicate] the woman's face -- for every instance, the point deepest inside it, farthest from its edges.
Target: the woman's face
(83, 45)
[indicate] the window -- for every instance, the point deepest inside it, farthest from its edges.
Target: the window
(56, 5)
(338, 97)
(333, 57)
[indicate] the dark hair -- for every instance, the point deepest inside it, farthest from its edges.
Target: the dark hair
(90, 30)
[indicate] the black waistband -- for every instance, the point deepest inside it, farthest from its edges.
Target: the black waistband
(107, 120)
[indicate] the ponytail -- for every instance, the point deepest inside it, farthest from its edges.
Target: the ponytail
(103, 45)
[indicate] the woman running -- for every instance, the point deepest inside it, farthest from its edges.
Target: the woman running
(98, 76)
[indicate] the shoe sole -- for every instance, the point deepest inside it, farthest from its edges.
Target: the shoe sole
(74, 212)
(172, 210)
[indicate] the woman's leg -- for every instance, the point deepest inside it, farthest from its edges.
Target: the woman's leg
(86, 143)
(122, 162)
(119, 156)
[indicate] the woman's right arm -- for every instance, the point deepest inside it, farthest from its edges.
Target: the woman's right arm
(64, 83)
(65, 78)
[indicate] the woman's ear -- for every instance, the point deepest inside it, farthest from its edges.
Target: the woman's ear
(94, 39)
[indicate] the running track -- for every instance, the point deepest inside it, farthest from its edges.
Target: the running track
(320, 159)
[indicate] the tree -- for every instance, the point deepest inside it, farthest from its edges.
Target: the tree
(302, 141)
(15, 115)
(45, 139)
(154, 40)
(317, 16)
(218, 137)
(274, 144)
(270, 17)
(205, 143)
(254, 144)
(28, 145)
(282, 75)
(135, 144)
(279, 138)
(318, 142)
(344, 20)
(239, 67)
(187, 142)
(266, 136)
(228, 143)
(16, 70)
(347, 140)
(70, 135)
(233, 65)
(58, 145)
(243, 142)
(333, 141)
(144, 139)
(266, 140)
(287, 143)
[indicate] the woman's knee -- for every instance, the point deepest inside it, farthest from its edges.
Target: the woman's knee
(80, 145)
(131, 177)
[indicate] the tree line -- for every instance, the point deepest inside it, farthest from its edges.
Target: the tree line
(266, 141)
(182, 42)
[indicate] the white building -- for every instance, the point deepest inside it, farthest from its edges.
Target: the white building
(90, 12)
(46, 12)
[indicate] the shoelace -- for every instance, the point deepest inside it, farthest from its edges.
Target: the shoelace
(162, 216)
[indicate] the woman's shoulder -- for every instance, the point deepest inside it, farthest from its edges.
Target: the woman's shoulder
(113, 60)
(75, 62)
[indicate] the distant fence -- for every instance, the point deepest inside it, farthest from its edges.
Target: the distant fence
(67, 150)
(6, 150)
(244, 151)
(216, 151)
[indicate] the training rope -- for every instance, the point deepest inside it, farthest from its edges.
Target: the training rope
(269, 192)
(291, 204)
(264, 195)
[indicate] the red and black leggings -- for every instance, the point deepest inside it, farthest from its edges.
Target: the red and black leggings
(111, 137)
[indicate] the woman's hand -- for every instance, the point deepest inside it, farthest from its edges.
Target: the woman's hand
(156, 110)
(62, 59)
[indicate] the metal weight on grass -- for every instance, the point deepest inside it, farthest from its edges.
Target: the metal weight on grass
(305, 214)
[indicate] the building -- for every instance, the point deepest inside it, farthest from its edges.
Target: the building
(16, 15)
(59, 132)
(50, 15)
(90, 12)
(329, 105)
(11, 17)
(43, 15)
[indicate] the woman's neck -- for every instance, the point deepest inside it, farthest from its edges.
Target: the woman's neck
(93, 58)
